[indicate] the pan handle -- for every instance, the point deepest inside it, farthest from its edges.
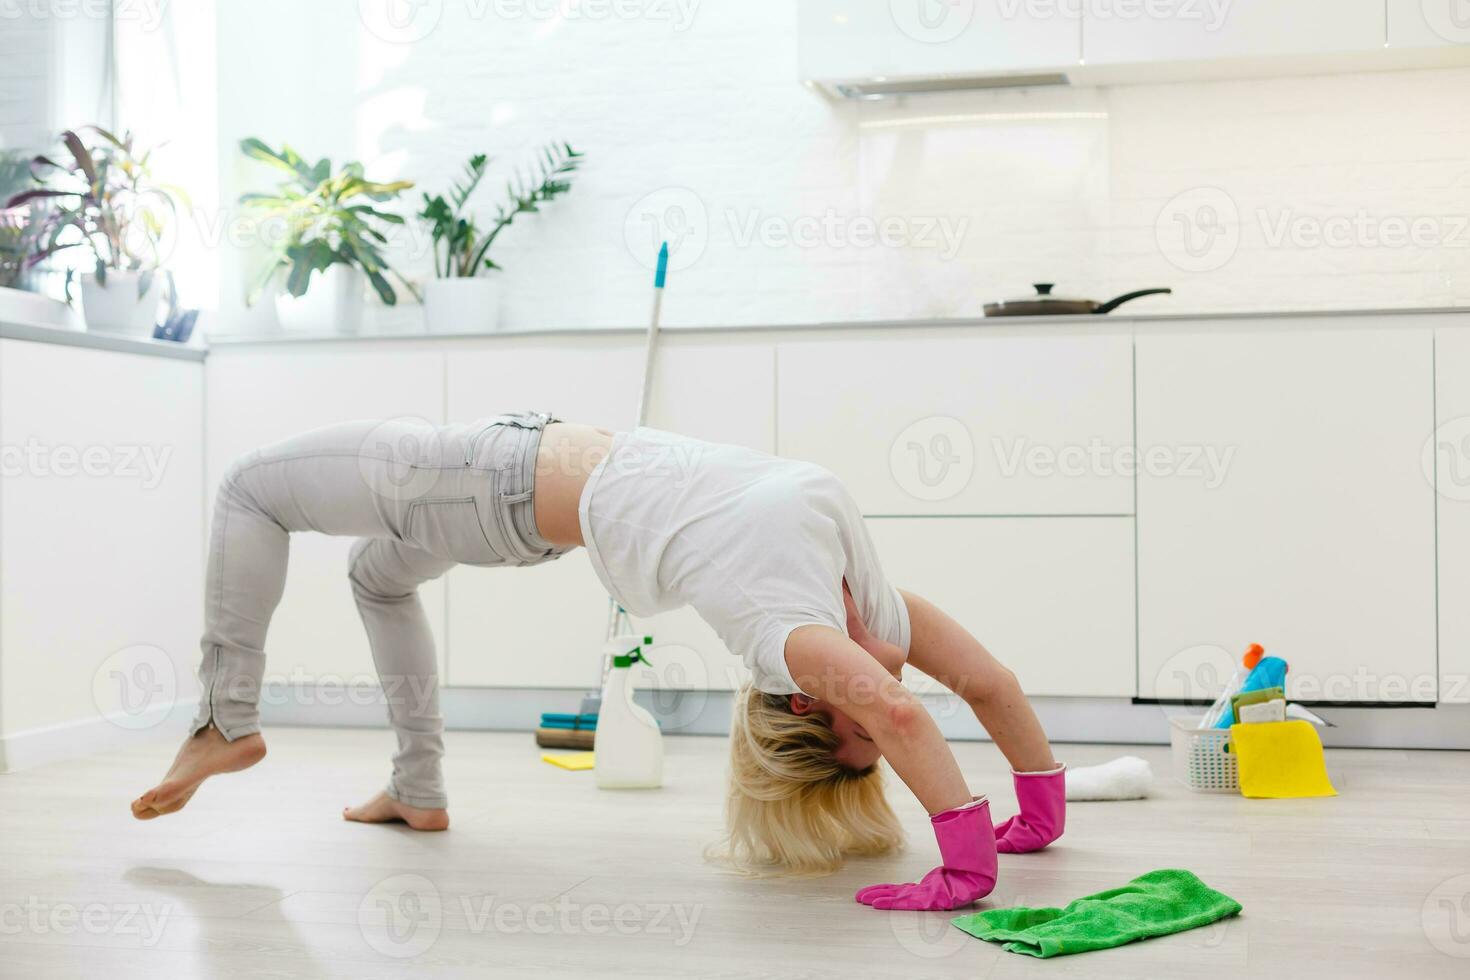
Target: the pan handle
(1118, 301)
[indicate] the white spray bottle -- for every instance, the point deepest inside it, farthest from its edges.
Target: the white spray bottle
(628, 744)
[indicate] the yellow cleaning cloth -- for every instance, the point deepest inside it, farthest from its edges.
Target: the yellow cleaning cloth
(1280, 760)
(574, 761)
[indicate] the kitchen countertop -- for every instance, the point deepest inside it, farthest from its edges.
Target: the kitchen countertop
(100, 341)
(227, 340)
(193, 352)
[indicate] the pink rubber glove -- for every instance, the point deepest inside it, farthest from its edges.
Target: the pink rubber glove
(1043, 800)
(967, 847)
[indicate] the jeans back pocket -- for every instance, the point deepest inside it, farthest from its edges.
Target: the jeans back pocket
(450, 527)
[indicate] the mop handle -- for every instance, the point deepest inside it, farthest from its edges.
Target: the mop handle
(645, 388)
(615, 613)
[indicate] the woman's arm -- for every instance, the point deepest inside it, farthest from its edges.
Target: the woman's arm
(943, 649)
(830, 666)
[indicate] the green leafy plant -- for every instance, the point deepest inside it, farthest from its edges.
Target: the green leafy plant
(331, 218)
(461, 247)
(15, 223)
(105, 200)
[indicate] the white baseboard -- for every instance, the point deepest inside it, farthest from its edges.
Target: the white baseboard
(74, 739)
(1097, 720)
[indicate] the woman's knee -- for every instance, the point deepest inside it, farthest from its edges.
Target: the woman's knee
(235, 483)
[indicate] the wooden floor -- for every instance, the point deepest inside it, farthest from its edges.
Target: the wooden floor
(544, 876)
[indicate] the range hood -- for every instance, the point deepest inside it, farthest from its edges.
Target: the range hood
(883, 88)
(878, 49)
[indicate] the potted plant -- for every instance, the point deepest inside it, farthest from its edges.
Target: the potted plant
(332, 228)
(15, 175)
(459, 299)
(17, 231)
(105, 200)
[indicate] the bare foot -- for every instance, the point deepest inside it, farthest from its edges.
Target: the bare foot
(385, 809)
(205, 754)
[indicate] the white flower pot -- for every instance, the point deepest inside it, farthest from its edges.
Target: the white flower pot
(461, 305)
(116, 307)
(21, 306)
(333, 303)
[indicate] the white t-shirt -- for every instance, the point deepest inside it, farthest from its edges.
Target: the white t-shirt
(758, 545)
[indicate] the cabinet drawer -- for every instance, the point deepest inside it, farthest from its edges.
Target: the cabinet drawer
(1033, 425)
(1317, 539)
(1051, 598)
(1190, 30)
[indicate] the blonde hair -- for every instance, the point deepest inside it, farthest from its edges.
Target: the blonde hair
(792, 807)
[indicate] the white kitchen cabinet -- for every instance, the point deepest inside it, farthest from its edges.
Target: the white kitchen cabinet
(719, 392)
(1198, 31)
(1428, 23)
(540, 626)
(1447, 459)
(101, 536)
(1314, 532)
(543, 626)
(259, 396)
(868, 39)
(986, 425)
(583, 379)
(1050, 597)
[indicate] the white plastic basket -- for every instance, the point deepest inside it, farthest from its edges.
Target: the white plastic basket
(1202, 760)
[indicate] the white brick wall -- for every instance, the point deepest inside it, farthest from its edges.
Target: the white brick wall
(25, 73)
(709, 118)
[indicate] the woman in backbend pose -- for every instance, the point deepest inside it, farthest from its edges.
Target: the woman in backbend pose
(772, 553)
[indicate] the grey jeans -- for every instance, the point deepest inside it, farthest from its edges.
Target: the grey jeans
(420, 498)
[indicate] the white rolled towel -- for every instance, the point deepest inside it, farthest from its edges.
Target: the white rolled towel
(1127, 778)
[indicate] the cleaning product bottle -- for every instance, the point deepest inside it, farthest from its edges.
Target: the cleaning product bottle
(629, 747)
(1220, 710)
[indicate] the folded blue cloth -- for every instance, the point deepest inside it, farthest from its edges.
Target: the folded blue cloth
(551, 719)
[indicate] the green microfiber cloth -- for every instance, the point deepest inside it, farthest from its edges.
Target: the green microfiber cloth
(1154, 904)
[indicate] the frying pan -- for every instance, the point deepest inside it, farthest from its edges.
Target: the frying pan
(1045, 304)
